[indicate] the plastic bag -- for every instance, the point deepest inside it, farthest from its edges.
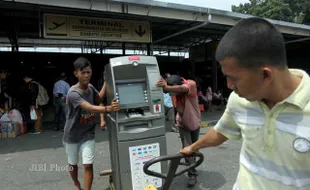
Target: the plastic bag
(33, 114)
(5, 117)
(15, 116)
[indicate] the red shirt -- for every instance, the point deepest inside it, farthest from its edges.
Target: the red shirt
(189, 115)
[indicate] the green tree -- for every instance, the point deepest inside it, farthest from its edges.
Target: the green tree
(307, 16)
(297, 11)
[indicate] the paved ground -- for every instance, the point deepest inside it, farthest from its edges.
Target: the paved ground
(18, 155)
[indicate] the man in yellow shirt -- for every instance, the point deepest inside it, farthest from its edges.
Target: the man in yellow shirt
(269, 109)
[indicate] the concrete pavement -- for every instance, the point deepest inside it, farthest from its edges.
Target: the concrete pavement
(17, 156)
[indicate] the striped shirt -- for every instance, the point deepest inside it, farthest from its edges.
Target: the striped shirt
(61, 87)
(268, 159)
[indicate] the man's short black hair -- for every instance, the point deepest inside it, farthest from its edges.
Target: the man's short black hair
(28, 74)
(81, 63)
(254, 42)
(62, 76)
(174, 80)
(165, 76)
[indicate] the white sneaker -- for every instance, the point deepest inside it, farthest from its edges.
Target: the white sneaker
(35, 133)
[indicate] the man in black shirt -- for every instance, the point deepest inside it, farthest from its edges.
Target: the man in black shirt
(32, 92)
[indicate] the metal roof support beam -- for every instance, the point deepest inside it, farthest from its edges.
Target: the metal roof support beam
(148, 49)
(184, 31)
(13, 39)
(299, 40)
(124, 48)
(12, 34)
(25, 42)
(91, 4)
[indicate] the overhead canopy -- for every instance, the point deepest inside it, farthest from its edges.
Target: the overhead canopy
(172, 27)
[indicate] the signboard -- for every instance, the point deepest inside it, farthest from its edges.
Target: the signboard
(86, 28)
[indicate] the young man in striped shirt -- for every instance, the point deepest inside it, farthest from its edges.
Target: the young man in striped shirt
(269, 109)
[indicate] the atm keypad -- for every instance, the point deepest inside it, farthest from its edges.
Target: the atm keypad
(145, 96)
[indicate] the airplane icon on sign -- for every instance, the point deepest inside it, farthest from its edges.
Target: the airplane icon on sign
(56, 25)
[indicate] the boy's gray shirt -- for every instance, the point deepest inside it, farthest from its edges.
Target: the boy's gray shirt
(80, 123)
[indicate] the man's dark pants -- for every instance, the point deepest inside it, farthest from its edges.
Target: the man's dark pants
(61, 111)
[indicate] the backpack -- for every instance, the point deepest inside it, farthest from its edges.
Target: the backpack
(43, 97)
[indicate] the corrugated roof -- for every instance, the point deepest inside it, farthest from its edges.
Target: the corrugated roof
(207, 11)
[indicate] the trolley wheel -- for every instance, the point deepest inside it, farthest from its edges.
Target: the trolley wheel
(111, 184)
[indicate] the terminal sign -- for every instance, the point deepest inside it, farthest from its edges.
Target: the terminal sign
(86, 28)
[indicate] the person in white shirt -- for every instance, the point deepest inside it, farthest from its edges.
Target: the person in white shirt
(217, 99)
(169, 110)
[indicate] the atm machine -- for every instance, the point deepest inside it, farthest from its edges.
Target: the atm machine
(137, 131)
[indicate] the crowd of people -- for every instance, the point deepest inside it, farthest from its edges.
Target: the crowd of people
(30, 100)
(29, 104)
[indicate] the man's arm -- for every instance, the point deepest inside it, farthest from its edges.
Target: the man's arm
(176, 88)
(100, 109)
(211, 139)
(102, 91)
(225, 129)
(102, 121)
(77, 100)
(97, 98)
(34, 90)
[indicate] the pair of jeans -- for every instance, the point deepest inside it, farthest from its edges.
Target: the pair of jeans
(188, 138)
(170, 119)
(61, 111)
(38, 122)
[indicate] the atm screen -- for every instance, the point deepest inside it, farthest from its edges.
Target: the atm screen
(131, 93)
